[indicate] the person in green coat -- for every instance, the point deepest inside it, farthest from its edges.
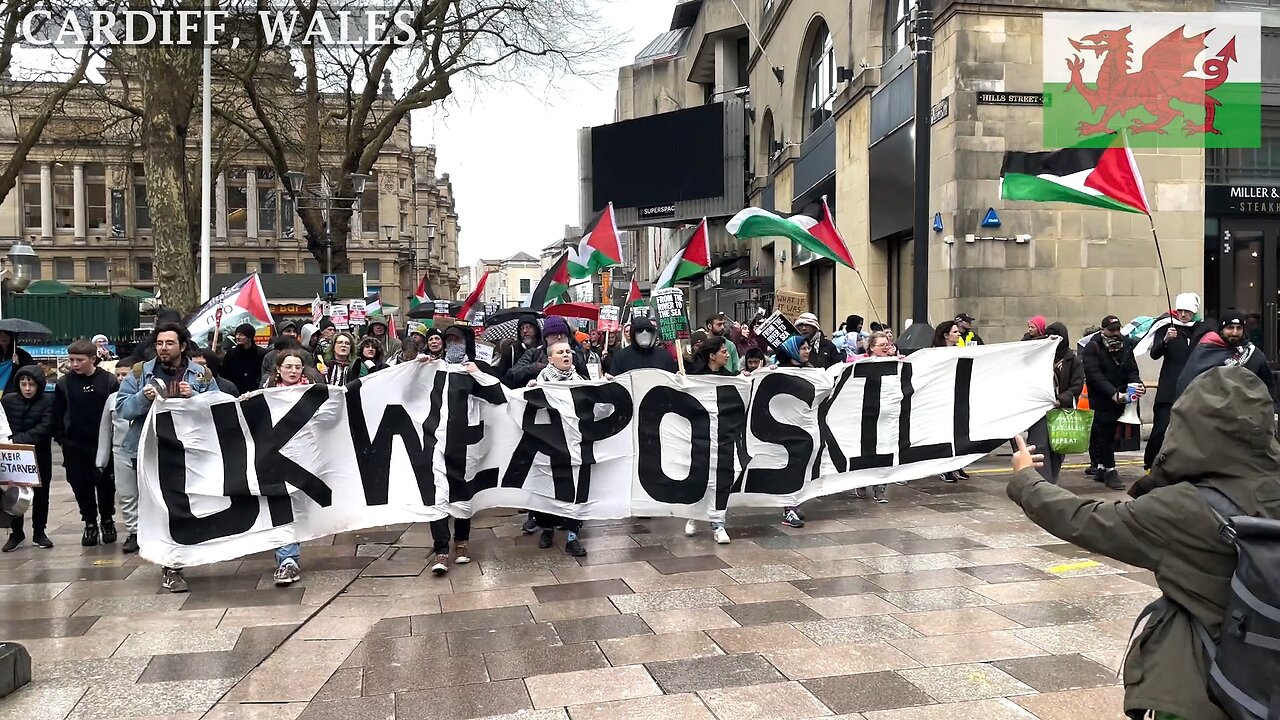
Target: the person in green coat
(1220, 435)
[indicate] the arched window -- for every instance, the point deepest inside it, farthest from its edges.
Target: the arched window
(820, 84)
(897, 25)
(767, 143)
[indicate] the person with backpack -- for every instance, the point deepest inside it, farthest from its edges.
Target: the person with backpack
(1219, 459)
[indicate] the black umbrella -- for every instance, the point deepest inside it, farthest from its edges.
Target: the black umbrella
(917, 337)
(427, 310)
(28, 328)
(513, 313)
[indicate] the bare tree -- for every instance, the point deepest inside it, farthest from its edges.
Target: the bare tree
(52, 87)
(353, 97)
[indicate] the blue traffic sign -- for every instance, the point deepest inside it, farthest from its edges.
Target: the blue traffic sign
(330, 284)
(991, 219)
(937, 222)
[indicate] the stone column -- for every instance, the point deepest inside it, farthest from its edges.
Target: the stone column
(251, 202)
(46, 200)
(220, 207)
(77, 177)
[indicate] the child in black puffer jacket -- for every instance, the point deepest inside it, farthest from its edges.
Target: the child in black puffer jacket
(30, 413)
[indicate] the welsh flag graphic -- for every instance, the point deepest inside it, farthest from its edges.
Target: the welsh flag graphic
(692, 259)
(1170, 79)
(634, 297)
(1102, 177)
(553, 284)
(818, 236)
(601, 246)
(420, 295)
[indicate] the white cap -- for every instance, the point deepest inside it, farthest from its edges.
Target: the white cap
(98, 337)
(1187, 301)
(808, 319)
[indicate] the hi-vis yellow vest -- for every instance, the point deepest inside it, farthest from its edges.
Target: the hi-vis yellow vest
(966, 339)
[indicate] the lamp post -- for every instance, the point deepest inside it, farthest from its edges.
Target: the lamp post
(324, 202)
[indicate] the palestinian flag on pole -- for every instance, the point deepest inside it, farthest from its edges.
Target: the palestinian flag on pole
(1102, 177)
(693, 259)
(600, 247)
(420, 295)
(634, 297)
(552, 285)
(464, 312)
(817, 236)
(373, 304)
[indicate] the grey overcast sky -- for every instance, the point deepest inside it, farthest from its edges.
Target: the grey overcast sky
(512, 153)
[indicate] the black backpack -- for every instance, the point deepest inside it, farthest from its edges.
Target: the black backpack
(1244, 670)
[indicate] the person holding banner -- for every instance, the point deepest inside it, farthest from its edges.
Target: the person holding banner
(371, 356)
(878, 346)
(561, 367)
(713, 358)
(29, 413)
(644, 351)
(409, 352)
(793, 352)
(823, 352)
(718, 326)
(169, 375)
(536, 359)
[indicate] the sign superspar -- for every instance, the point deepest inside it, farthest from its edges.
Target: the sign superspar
(1168, 79)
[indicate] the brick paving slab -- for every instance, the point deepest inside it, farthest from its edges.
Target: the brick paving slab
(945, 603)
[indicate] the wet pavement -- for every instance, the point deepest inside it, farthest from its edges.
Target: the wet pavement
(944, 603)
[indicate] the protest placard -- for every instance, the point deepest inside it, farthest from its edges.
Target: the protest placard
(776, 329)
(356, 312)
(791, 304)
(609, 315)
(673, 322)
(339, 315)
(18, 465)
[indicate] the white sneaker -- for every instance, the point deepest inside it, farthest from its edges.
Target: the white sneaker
(721, 535)
(691, 528)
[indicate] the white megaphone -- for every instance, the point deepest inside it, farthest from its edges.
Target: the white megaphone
(1130, 415)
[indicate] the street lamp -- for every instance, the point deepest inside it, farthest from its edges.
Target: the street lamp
(23, 262)
(324, 202)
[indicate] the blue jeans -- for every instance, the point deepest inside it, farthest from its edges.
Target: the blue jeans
(288, 553)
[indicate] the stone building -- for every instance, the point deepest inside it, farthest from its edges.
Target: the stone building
(511, 280)
(830, 102)
(81, 203)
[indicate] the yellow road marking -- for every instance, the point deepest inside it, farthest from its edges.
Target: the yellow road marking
(1009, 471)
(1074, 566)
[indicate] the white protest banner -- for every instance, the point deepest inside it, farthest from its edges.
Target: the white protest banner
(221, 478)
(356, 312)
(609, 315)
(18, 465)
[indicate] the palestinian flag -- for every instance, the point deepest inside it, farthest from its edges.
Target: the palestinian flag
(241, 303)
(817, 236)
(634, 297)
(552, 285)
(420, 295)
(600, 247)
(373, 304)
(1102, 177)
(464, 312)
(692, 260)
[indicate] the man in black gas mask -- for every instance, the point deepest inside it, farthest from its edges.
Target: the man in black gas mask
(1111, 373)
(644, 351)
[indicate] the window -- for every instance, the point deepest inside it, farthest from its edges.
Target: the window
(820, 85)
(141, 210)
(267, 200)
(238, 266)
(525, 286)
(143, 270)
(95, 181)
(267, 266)
(744, 60)
(97, 268)
(372, 271)
(404, 216)
(31, 203)
(64, 197)
(369, 205)
(237, 199)
(897, 25)
(310, 266)
(64, 269)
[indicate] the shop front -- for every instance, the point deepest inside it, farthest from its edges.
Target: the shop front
(1242, 250)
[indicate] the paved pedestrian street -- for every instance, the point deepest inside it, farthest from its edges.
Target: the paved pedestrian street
(945, 603)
